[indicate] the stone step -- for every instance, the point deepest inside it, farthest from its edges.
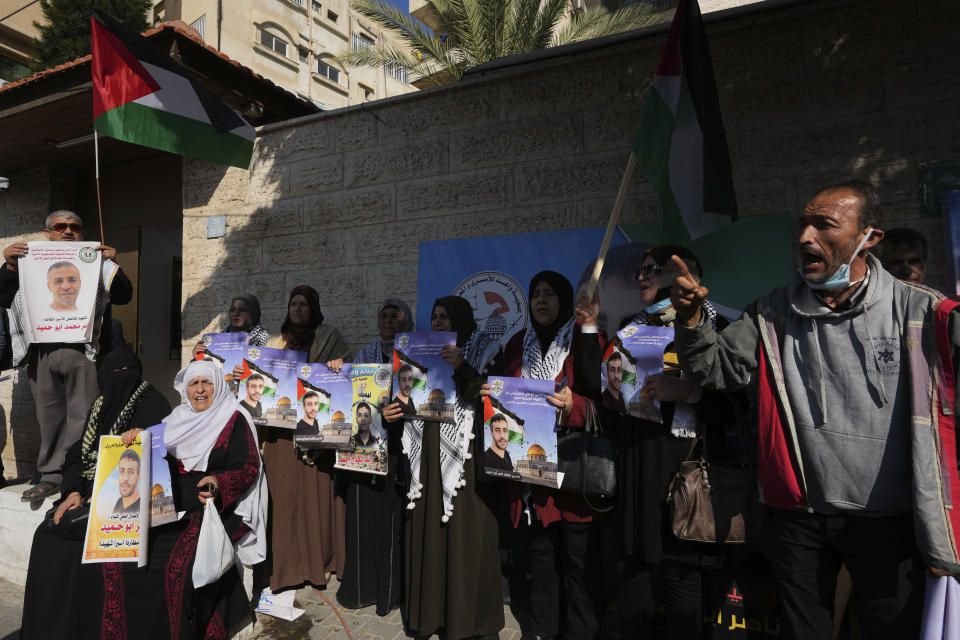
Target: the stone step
(18, 521)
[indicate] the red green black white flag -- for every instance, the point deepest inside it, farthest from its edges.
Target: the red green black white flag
(141, 95)
(681, 144)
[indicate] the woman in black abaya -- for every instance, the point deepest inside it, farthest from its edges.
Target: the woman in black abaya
(62, 597)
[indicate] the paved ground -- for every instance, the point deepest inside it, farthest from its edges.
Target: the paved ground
(320, 622)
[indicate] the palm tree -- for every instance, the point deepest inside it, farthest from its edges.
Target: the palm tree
(472, 32)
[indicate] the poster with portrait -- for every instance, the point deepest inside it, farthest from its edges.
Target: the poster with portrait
(368, 443)
(162, 509)
(635, 352)
(268, 385)
(119, 507)
(324, 407)
(422, 377)
(59, 282)
(226, 350)
(519, 437)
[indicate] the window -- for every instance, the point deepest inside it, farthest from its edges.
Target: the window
(11, 70)
(200, 24)
(297, 2)
(398, 72)
(271, 41)
(361, 42)
(328, 72)
(332, 16)
(301, 54)
(316, 6)
(158, 12)
(367, 93)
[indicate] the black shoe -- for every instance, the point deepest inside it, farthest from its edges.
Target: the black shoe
(39, 491)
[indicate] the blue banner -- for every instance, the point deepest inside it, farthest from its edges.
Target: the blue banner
(493, 273)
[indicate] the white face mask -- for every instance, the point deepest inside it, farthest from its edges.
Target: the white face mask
(841, 277)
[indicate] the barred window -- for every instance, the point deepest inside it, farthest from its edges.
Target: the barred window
(361, 42)
(398, 72)
(200, 24)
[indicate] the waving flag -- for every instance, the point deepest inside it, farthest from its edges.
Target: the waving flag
(681, 144)
(142, 96)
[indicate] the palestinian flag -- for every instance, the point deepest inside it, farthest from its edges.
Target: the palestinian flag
(270, 382)
(419, 371)
(303, 387)
(142, 96)
(628, 370)
(491, 407)
(681, 144)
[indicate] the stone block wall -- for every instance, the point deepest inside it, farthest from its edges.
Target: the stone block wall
(810, 94)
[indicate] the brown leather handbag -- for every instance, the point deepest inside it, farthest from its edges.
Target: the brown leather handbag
(716, 502)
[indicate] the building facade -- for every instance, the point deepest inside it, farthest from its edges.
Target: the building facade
(16, 38)
(293, 43)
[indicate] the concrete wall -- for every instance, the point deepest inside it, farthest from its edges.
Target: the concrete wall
(811, 93)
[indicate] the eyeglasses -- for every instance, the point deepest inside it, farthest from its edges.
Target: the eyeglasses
(60, 227)
(648, 271)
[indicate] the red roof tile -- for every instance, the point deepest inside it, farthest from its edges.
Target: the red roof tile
(178, 26)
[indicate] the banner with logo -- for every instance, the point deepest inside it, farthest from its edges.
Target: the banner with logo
(271, 374)
(493, 273)
(162, 509)
(119, 506)
(59, 282)
(519, 437)
(324, 407)
(422, 378)
(368, 444)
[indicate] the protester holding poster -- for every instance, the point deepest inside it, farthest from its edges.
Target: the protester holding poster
(563, 531)
(55, 369)
(306, 516)
(242, 317)
(452, 577)
(650, 452)
(393, 317)
(127, 404)
(212, 455)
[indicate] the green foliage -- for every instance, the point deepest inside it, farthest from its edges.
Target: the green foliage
(65, 34)
(473, 32)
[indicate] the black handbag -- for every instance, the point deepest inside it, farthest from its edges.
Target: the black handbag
(587, 460)
(73, 524)
(716, 502)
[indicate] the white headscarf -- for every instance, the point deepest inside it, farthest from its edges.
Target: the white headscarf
(190, 435)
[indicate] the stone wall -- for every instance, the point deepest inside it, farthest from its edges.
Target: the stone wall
(810, 93)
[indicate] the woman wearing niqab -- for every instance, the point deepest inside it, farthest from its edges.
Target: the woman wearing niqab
(56, 580)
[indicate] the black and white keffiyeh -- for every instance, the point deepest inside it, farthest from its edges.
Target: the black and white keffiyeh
(455, 438)
(546, 366)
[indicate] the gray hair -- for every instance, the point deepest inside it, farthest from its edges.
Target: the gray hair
(62, 213)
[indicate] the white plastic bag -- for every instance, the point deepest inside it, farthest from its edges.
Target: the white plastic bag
(214, 550)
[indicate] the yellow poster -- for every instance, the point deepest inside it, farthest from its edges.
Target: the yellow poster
(120, 505)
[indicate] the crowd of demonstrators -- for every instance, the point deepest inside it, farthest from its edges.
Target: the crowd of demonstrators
(842, 373)
(63, 377)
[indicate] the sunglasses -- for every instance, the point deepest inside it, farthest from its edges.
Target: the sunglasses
(648, 271)
(60, 227)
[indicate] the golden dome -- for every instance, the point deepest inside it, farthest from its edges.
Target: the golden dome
(536, 450)
(384, 399)
(157, 490)
(283, 402)
(437, 396)
(339, 417)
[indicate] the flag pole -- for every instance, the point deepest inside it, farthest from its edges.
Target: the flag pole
(611, 225)
(96, 164)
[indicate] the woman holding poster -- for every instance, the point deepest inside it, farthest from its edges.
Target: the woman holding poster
(243, 316)
(562, 525)
(306, 516)
(373, 573)
(452, 573)
(126, 403)
(212, 455)
(650, 452)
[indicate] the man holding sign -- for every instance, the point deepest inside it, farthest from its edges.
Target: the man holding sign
(854, 394)
(63, 376)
